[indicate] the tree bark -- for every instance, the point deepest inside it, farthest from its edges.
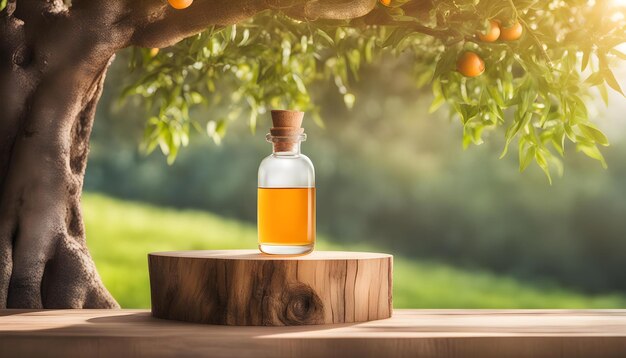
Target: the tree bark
(53, 61)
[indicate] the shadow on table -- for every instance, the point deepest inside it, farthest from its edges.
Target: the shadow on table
(144, 320)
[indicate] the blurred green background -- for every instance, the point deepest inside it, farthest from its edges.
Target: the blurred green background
(466, 228)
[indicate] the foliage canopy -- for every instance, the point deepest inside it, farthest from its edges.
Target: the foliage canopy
(536, 89)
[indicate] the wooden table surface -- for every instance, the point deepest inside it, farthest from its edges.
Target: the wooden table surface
(409, 333)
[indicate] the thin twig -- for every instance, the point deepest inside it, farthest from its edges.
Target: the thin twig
(431, 32)
(543, 51)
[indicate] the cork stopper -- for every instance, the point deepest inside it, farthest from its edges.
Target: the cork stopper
(286, 118)
(286, 129)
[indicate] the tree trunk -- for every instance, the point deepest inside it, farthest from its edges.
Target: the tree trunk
(49, 89)
(46, 261)
(53, 60)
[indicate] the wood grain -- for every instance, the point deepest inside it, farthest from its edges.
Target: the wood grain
(246, 288)
(409, 333)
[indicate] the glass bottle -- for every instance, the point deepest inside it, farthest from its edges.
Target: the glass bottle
(286, 190)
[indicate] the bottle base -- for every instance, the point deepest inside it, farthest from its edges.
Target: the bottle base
(286, 249)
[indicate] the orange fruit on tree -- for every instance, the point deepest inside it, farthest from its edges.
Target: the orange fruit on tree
(385, 2)
(512, 32)
(180, 4)
(492, 33)
(470, 64)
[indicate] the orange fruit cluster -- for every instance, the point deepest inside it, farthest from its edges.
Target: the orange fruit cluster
(469, 64)
(180, 4)
(498, 32)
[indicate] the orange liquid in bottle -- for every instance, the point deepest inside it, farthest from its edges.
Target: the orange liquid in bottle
(286, 216)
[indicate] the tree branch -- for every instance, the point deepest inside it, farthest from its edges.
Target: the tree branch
(159, 25)
(380, 17)
(327, 9)
(155, 24)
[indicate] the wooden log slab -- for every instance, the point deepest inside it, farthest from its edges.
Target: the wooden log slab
(247, 288)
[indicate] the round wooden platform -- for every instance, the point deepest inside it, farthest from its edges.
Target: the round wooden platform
(247, 288)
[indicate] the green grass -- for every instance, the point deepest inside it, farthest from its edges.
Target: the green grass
(120, 234)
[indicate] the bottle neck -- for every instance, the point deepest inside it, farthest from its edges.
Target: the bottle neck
(286, 146)
(286, 149)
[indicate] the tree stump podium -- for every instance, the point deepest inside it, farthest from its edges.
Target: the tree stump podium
(247, 288)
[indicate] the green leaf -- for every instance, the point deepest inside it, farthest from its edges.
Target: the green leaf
(354, 62)
(233, 33)
(610, 79)
(446, 62)
(585, 60)
(299, 83)
(220, 129)
(163, 144)
(595, 79)
(543, 164)
(467, 138)
(396, 36)
(349, 100)
(436, 103)
(245, 38)
(496, 95)
(594, 133)
(513, 130)
(216, 130)
(438, 99)
(253, 119)
(369, 49)
(592, 152)
(619, 54)
(325, 36)
(526, 155)
(604, 94)
(558, 141)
